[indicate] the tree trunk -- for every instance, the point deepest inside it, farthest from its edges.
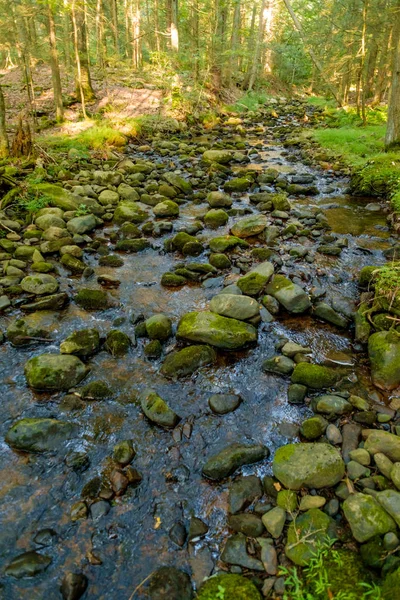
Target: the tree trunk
(114, 17)
(4, 146)
(174, 26)
(196, 39)
(82, 76)
(67, 36)
(233, 59)
(55, 67)
(100, 49)
(393, 121)
(136, 36)
(257, 52)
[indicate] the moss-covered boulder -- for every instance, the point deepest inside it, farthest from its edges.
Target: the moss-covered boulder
(226, 461)
(132, 245)
(220, 261)
(181, 239)
(131, 212)
(226, 243)
(384, 355)
(157, 410)
(234, 306)
(178, 182)
(187, 361)
(54, 372)
(83, 342)
(237, 184)
(170, 279)
(229, 587)
(221, 332)
(168, 208)
(250, 226)
(316, 377)
(305, 533)
(255, 280)
(39, 284)
(81, 225)
(383, 442)
(58, 196)
(223, 157)
(367, 275)
(117, 343)
(391, 586)
(91, 299)
(216, 217)
(23, 332)
(366, 517)
(313, 427)
(312, 465)
(72, 263)
(289, 294)
(280, 201)
(38, 435)
(95, 390)
(219, 200)
(159, 327)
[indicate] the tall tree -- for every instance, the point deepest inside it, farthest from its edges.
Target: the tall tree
(4, 147)
(393, 122)
(54, 64)
(83, 80)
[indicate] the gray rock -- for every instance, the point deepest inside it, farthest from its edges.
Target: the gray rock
(235, 553)
(157, 410)
(53, 372)
(221, 404)
(243, 492)
(326, 313)
(390, 501)
(331, 405)
(222, 332)
(234, 306)
(81, 225)
(366, 517)
(39, 284)
(274, 521)
(73, 586)
(230, 458)
(38, 435)
(281, 365)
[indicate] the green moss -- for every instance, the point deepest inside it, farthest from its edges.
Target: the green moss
(159, 327)
(228, 587)
(95, 390)
(287, 499)
(132, 245)
(173, 280)
(391, 586)
(367, 276)
(117, 343)
(314, 376)
(92, 299)
(216, 217)
(187, 361)
(112, 260)
(225, 243)
(237, 184)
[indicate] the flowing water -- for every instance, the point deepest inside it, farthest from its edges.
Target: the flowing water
(37, 491)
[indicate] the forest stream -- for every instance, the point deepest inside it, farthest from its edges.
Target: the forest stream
(70, 501)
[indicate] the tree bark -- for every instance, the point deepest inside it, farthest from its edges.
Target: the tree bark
(257, 53)
(54, 64)
(136, 36)
(174, 26)
(82, 76)
(4, 146)
(100, 49)
(393, 121)
(114, 18)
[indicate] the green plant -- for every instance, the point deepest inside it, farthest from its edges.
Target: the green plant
(31, 203)
(331, 574)
(82, 210)
(221, 593)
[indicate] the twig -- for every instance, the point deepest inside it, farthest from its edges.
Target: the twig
(140, 585)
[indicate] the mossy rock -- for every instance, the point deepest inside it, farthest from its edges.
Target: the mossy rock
(178, 182)
(95, 390)
(345, 572)
(254, 281)
(72, 263)
(58, 197)
(250, 226)
(226, 243)
(153, 349)
(219, 200)
(84, 342)
(220, 261)
(280, 201)
(290, 295)
(228, 587)
(311, 528)
(157, 410)
(181, 239)
(40, 284)
(168, 208)
(391, 586)
(223, 157)
(132, 245)
(117, 343)
(313, 427)
(367, 275)
(130, 212)
(173, 280)
(21, 332)
(237, 184)
(53, 372)
(221, 332)
(314, 376)
(112, 260)
(92, 299)
(38, 435)
(216, 217)
(384, 355)
(187, 361)
(159, 327)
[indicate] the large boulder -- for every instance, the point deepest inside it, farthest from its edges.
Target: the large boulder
(366, 517)
(221, 332)
(83, 342)
(39, 284)
(54, 372)
(219, 200)
(223, 157)
(308, 465)
(83, 224)
(254, 281)
(289, 294)
(230, 458)
(187, 361)
(305, 533)
(384, 355)
(38, 435)
(250, 226)
(234, 306)
(131, 212)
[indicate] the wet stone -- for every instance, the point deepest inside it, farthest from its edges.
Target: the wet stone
(178, 534)
(73, 586)
(197, 529)
(45, 537)
(124, 452)
(157, 410)
(235, 553)
(249, 524)
(99, 509)
(169, 583)
(274, 521)
(28, 564)
(221, 404)
(243, 492)
(230, 458)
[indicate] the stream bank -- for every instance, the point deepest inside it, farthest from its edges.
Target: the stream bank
(156, 437)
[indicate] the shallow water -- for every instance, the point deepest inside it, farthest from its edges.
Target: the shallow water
(37, 491)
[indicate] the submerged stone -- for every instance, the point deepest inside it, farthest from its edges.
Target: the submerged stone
(38, 435)
(234, 306)
(159, 327)
(84, 342)
(221, 332)
(91, 299)
(235, 553)
(169, 583)
(117, 343)
(28, 564)
(230, 458)
(187, 361)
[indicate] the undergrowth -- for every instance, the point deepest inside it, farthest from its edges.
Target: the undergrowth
(331, 574)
